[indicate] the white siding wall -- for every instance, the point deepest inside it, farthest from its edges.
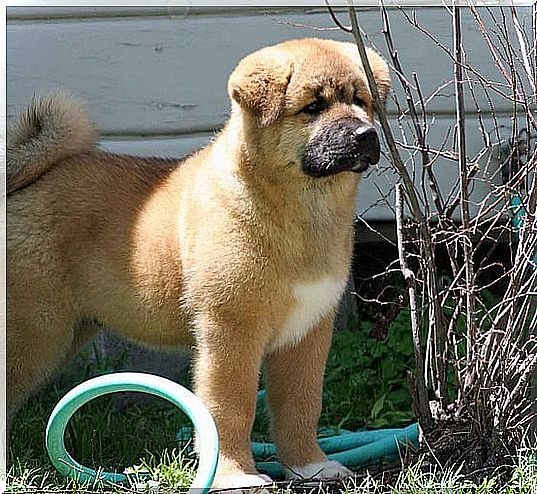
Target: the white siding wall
(155, 78)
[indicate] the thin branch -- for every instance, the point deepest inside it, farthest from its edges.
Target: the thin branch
(422, 404)
(464, 199)
(347, 29)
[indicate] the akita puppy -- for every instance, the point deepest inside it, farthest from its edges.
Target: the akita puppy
(241, 250)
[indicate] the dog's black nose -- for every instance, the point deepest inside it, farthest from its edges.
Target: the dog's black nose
(367, 143)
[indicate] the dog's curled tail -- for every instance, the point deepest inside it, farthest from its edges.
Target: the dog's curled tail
(52, 128)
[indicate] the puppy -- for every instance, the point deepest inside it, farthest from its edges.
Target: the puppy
(241, 250)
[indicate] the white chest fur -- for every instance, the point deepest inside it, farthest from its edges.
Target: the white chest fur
(312, 302)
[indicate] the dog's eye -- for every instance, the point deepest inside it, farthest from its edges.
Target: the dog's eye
(315, 108)
(358, 101)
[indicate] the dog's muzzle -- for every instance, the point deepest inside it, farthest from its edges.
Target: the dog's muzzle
(347, 145)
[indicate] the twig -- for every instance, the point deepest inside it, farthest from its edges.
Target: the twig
(302, 26)
(464, 199)
(347, 29)
(523, 49)
(486, 82)
(489, 42)
(422, 404)
(383, 118)
(419, 131)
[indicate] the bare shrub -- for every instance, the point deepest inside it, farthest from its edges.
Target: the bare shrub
(474, 359)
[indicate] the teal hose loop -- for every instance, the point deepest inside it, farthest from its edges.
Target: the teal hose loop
(139, 382)
(334, 444)
(383, 444)
(352, 449)
(353, 440)
(349, 448)
(386, 447)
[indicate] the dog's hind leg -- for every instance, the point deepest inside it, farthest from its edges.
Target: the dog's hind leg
(40, 335)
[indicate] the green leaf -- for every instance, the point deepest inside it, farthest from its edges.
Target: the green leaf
(377, 407)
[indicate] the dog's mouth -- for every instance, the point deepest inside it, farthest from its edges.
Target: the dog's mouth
(362, 165)
(325, 168)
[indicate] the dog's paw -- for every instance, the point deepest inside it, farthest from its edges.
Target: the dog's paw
(328, 469)
(242, 483)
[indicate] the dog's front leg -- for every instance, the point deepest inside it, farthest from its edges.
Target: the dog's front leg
(294, 390)
(226, 379)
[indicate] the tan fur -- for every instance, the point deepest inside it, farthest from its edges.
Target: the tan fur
(220, 251)
(64, 130)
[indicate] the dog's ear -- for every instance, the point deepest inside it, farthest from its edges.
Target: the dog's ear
(259, 84)
(378, 66)
(380, 72)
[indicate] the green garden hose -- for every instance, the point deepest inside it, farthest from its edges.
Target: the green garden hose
(140, 382)
(352, 449)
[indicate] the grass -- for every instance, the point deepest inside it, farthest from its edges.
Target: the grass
(116, 432)
(169, 471)
(172, 471)
(419, 479)
(365, 384)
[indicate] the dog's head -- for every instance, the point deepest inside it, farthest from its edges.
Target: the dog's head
(306, 106)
